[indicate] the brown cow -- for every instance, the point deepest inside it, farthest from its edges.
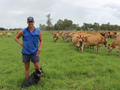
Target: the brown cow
(77, 40)
(118, 34)
(94, 40)
(102, 33)
(1, 34)
(9, 34)
(107, 34)
(115, 44)
(55, 36)
(60, 33)
(65, 35)
(112, 34)
(87, 34)
(69, 36)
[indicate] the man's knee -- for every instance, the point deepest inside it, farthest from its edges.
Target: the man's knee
(27, 66)
(37, 66)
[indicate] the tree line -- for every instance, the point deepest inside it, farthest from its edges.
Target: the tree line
(69, 25)
(3, 29)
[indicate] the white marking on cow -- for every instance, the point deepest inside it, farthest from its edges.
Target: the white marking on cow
(54, 38)
(78, 44)
(100, 45)
(117, 47)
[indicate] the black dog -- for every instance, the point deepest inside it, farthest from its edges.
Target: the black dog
(34, 78)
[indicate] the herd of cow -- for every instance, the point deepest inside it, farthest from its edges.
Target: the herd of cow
(80, 39)
(8, 34)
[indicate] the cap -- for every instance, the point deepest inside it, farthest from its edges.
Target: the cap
(30, 19)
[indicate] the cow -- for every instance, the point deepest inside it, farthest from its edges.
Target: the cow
(87, 34)
(102, 33)
(115, 44)
(69, 36)
(55, 36)
(107, 34)
(9, 34)
(77, 40)
(94, 40)
(112, 34)
(65, 35)
(1, 34)
(60, 33)
(118, 34)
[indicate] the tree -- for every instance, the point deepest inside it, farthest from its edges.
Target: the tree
(67, 24)
(59, 25)
(96, 26)
(108, 25)
(104, 27)
(1, 28)
(42, 27)
(49, 23)
(87, 26)
(78, 28)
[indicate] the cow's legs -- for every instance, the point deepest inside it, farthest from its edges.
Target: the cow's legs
(82, 47)
(100, 50)
(119, 51)
(75, 46)
(56, 39)
(97, 48)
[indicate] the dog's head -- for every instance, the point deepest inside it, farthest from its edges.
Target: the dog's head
(39, 73)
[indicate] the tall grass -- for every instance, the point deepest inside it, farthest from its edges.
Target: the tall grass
(64, 67)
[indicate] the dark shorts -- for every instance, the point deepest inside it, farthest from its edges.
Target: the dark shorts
(27, 58)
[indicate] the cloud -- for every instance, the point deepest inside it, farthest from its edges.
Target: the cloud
(14, 13)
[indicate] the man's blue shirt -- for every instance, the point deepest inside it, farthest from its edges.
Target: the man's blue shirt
(30, 41)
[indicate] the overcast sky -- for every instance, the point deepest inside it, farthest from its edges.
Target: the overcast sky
(14, 13)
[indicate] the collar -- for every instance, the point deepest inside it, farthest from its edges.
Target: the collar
(33, 30)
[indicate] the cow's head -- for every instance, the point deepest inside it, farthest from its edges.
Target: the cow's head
(79, 38)
(84, 38)
(107, 34)
(55, 37)
(109, 48)
(105, 42)
(102, 33)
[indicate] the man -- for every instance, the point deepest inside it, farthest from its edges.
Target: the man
(31, 47)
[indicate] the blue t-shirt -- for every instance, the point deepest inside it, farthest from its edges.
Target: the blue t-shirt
(30, 41)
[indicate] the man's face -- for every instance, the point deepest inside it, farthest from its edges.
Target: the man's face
(31, 24)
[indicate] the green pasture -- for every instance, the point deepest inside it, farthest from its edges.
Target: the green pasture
(64, 67)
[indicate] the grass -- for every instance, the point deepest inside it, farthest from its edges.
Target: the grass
(64, 67)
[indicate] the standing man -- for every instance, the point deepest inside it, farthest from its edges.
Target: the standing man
(31, 47)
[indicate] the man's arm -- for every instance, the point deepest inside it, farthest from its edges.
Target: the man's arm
(40, 45)
(17, 38)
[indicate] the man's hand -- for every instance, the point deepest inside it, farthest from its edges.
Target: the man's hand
(38, 52)
(21, 43)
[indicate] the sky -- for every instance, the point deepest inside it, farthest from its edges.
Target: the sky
(14, 13)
